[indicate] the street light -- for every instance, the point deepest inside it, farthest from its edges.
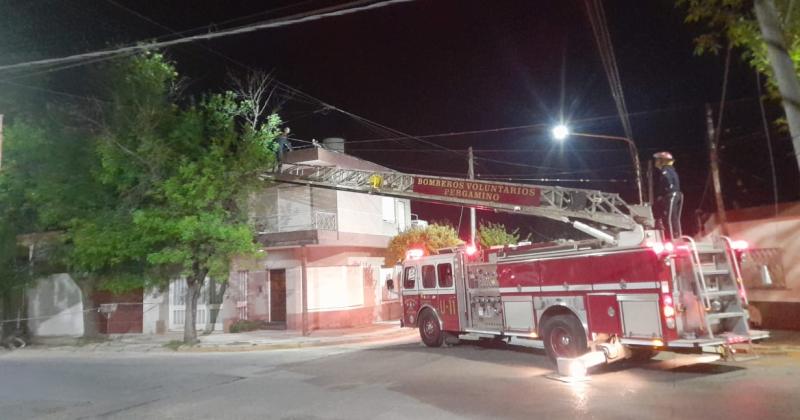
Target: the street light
(561, 132)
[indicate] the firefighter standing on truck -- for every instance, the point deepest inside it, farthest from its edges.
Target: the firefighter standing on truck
(669, 199)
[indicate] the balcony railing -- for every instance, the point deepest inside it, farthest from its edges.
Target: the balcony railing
(320, 220)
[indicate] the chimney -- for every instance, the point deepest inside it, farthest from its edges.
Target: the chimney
(335, 144)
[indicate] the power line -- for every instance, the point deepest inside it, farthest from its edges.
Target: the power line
(51, 91)
(224, 22)
(597, 19)
(462, 133)
(306, 17)
(579, 180)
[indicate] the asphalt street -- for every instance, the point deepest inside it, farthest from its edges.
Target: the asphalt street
(397, 379)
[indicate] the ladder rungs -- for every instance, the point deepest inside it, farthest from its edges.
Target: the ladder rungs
(709, 249)
(708, 271)
(722, 315)
(716, 293)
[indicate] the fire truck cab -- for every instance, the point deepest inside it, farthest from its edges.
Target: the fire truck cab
(574, 297)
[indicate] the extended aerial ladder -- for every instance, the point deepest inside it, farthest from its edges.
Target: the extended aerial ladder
(615, 221)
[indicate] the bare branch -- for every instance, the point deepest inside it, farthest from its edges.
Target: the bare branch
(256, 89)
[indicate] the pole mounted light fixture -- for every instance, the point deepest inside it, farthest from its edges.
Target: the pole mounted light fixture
(561, 132)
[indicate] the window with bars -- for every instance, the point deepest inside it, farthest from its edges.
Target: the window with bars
(243, 278)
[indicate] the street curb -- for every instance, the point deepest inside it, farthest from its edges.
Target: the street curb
(768, 350)
(222, 348)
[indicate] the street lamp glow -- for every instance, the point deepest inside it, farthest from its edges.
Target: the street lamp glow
(560, 132)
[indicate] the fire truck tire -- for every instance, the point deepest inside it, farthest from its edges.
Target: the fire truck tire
(642, 354)
(564, 337)
(430, 330)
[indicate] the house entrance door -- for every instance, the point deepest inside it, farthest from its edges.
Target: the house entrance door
(277, 296)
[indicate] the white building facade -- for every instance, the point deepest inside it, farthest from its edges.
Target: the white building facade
(336, 239)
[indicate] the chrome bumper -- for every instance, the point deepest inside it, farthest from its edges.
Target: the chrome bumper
(720, 340)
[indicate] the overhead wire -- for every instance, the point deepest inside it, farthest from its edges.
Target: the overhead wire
(769, 142)
(597, 19)
(718, 127)
(315, 15)
(303, 96)
(287, 89)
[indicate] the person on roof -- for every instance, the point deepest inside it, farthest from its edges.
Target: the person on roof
(283, 146)
(668, 196)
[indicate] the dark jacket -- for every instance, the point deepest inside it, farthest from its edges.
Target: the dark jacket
(668, 182)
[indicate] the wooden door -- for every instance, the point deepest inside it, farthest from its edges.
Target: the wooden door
(277, 295)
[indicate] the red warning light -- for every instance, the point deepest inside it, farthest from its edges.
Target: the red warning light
(740, 245)
(414, 254)
(471, 250)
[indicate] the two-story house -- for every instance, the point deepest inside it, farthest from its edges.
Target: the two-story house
(335, 239)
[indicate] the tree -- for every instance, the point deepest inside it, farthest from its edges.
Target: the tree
(46, 182)
(768, 33)
(181, 178)
(142, 188)
(492, 234)
(430, 239)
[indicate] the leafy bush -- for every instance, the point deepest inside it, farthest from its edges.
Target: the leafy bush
(492, 234)
(430, 239)
(244, 325)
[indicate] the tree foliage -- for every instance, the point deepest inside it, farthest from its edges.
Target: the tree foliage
(491, 234)
(733, 23)
(430, 239)
(45, 183)
(182, 178)
(155, 188)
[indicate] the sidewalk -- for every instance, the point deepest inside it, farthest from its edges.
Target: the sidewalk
(227, 342)
(780, 342)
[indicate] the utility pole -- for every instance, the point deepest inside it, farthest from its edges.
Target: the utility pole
(471, 209)
(782, 67)
(304, 286)
(649, 183)
(714, 158)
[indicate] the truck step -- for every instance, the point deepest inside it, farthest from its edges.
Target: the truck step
(724, 315)
(703, 248)
(713, 271)
(717, 293)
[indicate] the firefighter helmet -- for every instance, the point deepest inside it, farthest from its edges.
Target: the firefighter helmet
(664, 155)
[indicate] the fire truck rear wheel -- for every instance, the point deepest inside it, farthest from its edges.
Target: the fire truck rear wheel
(564, 337)
(642, 354)
(430, 330)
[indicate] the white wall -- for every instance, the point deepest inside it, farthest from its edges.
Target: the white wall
(155, 307)
(774, 233)
(55, 305)
(337, 287)
(294, 208)
(369, 214)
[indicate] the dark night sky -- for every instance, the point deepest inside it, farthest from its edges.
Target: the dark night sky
(436, 66)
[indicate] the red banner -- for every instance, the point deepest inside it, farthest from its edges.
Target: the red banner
(500, 193)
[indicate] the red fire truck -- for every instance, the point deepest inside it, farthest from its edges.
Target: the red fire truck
(623, 292)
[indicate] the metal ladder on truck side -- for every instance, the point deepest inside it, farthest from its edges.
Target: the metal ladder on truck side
(718, 284)
(607, 209)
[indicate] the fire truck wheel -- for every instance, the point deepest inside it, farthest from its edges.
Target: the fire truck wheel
(642, 354)
(564, 337)
(429, 329)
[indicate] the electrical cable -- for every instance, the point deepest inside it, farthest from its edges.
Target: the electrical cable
(305, 17)
(769, 142)
(605, 47)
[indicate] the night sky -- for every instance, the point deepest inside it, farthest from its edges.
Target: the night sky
(442, 66)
